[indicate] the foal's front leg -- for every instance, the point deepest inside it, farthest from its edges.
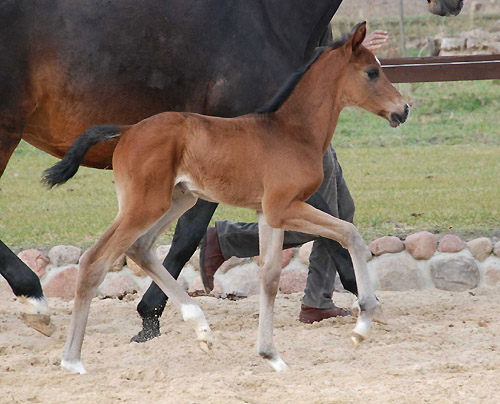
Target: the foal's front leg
(142, 253)
(302, 217)
(270, 245)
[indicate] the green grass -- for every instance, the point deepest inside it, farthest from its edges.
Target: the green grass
(400, 190)
(442, 113)
(439, 172)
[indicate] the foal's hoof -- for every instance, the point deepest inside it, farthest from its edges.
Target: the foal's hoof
(356, 339)
(206, 345)
(277, 364)
(39, 322)
(73, 367)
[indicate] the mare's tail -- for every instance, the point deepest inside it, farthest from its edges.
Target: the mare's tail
(68, 166)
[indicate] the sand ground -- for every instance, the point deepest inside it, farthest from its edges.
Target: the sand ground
(439, 347)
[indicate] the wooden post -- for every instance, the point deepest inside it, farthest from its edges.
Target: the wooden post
(443, 68)
(402, 28)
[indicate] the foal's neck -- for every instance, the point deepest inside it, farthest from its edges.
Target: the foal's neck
(313, 108)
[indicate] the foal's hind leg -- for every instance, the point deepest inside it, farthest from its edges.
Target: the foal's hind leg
(270, 245)
(94, 265)
(142, 253)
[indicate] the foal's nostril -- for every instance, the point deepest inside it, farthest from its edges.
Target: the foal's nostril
(405, 114)
(396, 119)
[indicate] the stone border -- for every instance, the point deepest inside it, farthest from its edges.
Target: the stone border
(420, 262)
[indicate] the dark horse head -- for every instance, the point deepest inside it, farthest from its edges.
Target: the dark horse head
(445, 7)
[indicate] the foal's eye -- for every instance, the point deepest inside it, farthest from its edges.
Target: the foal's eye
(372, 74)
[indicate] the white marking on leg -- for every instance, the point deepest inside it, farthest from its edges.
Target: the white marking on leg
(362, 326)
(34, 305)
(73, 367)
(277, 364)
(192, 313)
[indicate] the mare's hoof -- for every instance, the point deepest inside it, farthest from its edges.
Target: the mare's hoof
(356, 339)
(39, 322)
(150, 330)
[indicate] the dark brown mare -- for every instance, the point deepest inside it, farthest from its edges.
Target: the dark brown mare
(67, 65)
(269, 161)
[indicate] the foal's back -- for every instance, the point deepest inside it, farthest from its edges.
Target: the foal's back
(227, 160)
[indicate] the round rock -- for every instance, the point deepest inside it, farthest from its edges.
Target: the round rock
(61, 255)
(496, 249)
(386, 245)
(398, 273)
(293, 281)
(421, 245)
(480, 248)
(492, 276)
(450, 244)
(63, 284)
(454, 273)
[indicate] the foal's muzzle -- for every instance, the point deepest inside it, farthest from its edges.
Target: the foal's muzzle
(397, 118)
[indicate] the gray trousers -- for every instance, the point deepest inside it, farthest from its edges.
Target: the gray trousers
(242, 239)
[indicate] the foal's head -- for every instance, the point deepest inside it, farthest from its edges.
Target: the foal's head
(364, 84)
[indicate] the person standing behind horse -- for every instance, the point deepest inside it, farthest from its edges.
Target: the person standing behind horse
(229, 239)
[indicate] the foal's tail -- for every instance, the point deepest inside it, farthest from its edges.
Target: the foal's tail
(68, 166)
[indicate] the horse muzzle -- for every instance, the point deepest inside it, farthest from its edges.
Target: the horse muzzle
(397, 118)
(445, 8)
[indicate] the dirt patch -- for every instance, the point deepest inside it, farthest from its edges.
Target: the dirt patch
(439, 347)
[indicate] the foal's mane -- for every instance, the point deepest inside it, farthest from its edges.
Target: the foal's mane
(287, 88)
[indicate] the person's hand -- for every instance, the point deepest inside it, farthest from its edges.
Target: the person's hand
(375, 40)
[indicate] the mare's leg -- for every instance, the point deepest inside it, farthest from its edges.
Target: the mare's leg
(188, 233)
(302, 217)
(270, 243)
(142, 253)
(22, 280)
(25, 283)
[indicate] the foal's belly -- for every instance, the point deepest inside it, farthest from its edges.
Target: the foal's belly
(225, 193)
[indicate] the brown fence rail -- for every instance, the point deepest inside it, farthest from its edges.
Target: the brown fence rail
(443, 68)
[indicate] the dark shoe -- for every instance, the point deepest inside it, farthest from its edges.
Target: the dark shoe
(310, 315)
(211, 258)
(150, 330)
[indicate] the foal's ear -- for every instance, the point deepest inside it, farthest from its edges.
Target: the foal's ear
(358, 34)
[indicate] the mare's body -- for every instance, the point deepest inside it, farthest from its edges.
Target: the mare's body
(66, 65)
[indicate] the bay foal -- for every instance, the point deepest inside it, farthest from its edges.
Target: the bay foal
(270, 162)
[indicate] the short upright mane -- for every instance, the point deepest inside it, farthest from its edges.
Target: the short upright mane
(287, 88)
